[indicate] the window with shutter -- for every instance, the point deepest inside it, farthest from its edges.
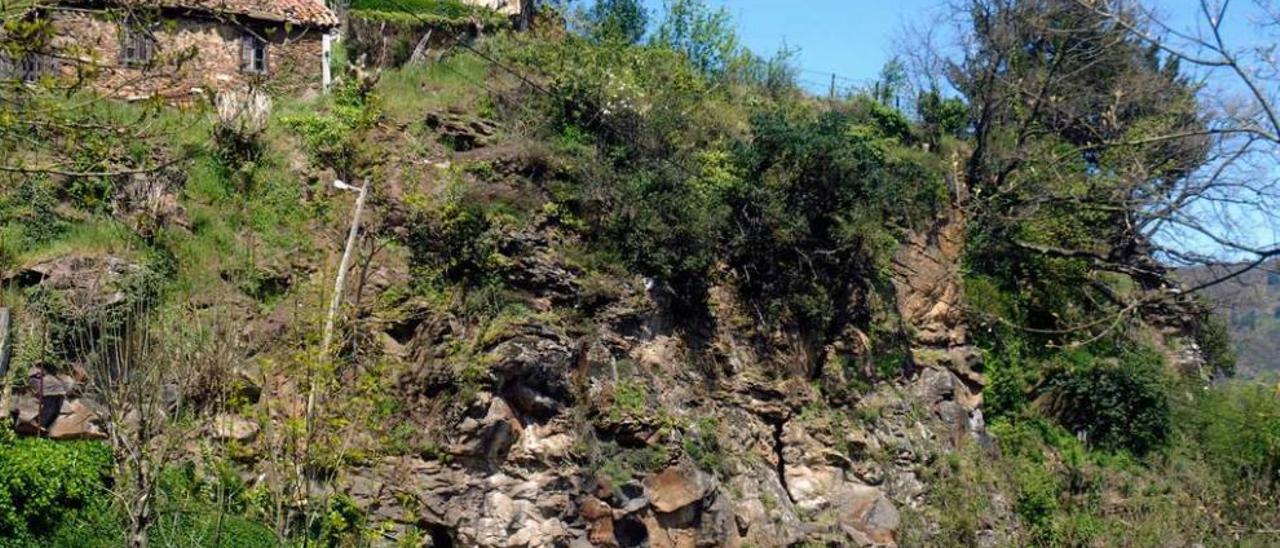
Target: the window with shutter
(253, 55)
(137, 47)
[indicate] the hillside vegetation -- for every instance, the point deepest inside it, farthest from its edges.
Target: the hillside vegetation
(627, 283)
(1250, 306)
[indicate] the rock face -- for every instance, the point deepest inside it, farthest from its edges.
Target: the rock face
(595, 416)
(613, 436)
(85, 283)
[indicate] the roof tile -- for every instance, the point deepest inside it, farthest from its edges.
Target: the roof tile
(299, 12)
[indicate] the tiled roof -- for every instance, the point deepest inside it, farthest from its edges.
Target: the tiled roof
(300, 12)
(311, 13)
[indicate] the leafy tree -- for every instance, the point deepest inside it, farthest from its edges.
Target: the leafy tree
(1069, 188)
(622, 20)
(891, 83)
(705, 36)
(939, 116)
(810, 218)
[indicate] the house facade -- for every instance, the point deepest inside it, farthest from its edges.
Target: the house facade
(177, 48)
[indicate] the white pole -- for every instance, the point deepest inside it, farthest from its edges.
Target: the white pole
(326, 77)
(338, 286)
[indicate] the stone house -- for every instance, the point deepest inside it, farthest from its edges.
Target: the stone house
(179, 48)
(520, 11)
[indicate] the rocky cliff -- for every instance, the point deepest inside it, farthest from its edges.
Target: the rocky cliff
(601, 417)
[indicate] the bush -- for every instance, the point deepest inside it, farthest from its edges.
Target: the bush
(1117, 404)
(454, 240)
(644, 162)
(1236, 426)
(811, 230)
(336, 138)
(46, 485)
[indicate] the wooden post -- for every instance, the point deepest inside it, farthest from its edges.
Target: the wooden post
(5, 342)
(338, 286)
(832, 93)
(6, 378)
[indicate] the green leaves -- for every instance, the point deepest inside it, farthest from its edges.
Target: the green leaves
(45, 484)
(622, 20)
(1119, 404)
(335, 138)
(815, 212)
(705, 36)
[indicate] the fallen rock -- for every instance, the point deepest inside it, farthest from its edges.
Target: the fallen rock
(87, 282)
(76, 422)
(677, 487)
(490, 435)
(460, 131)
(599, 518)
(27, 409)
(227, 427)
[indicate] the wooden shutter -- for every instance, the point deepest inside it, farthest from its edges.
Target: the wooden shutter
(127, 44)
(246, 53)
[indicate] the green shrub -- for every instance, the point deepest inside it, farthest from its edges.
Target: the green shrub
(46, 485)
(811, 232)
(206, 527)
(456, 240)
(702, 444)
(1116, 404)
(341, 524)
(335, 138)
(1236, 426)
(31, 209)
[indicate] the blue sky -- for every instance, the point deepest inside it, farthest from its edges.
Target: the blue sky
(852, 38)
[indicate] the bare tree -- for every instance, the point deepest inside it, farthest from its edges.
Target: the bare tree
(150, 373)
(1225, 216)
(1098, 159)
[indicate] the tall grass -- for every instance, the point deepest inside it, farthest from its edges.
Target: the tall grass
(455, 80)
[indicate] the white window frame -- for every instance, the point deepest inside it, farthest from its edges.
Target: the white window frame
(254, 54)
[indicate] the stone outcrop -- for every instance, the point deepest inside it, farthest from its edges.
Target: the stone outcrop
(84, 283)
(591, 415)
(613, 438)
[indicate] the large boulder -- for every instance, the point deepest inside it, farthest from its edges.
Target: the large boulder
(677, 487)
(489, 430)
(85, 281)
(228, 427)
(76, 421)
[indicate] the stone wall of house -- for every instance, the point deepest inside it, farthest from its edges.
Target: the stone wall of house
(192, 56)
